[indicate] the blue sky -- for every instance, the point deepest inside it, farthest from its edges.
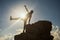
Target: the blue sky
(43, 10)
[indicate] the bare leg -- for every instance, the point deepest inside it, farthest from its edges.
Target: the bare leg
(24, 29)
(29, 20)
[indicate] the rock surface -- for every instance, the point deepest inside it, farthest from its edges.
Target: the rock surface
(37, 31)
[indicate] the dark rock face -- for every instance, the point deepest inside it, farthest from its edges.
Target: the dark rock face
(37, 31)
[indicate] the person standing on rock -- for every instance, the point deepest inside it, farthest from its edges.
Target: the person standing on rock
(28, 17)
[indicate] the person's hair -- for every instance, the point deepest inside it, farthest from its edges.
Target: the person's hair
(31, 11)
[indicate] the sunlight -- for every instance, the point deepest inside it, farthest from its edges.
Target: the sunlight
(19, 11)
(23, 15)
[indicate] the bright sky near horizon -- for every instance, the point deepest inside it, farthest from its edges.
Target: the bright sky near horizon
(43, 10)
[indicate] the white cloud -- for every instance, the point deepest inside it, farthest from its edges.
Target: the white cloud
(19, 31)
(6, 37)
(56, 32)
(10, 36)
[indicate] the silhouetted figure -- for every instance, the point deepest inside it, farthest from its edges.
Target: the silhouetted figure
(36, 31)
(28, 18)
(28, 15)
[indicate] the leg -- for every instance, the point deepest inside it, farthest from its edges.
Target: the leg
(24, 29)
(29, 20)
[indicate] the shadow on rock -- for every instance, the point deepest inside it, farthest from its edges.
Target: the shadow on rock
(37, 31)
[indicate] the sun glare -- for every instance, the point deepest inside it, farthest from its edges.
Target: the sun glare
(23, 15)
(19, 11)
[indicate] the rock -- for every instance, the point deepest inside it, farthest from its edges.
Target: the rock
(36, 31)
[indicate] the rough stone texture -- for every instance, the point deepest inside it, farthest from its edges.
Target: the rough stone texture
(36, 31)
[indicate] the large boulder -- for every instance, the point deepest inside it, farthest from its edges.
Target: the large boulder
(37, 31)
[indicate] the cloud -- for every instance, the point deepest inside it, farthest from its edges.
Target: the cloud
(10, 36)
(19, 31)
(56, 32)
(6, 37)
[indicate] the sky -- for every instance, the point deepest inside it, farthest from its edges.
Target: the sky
(43, 10)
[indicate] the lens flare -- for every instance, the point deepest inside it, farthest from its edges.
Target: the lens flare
(23, 15)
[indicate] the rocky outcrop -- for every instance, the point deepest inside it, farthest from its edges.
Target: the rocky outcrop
(36, 31)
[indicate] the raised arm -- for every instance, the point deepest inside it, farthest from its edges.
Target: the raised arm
(26, 8)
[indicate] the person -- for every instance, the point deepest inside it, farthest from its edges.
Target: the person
(28, 15)
(28, 18)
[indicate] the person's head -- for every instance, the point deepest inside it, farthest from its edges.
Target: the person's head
(31, 11)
